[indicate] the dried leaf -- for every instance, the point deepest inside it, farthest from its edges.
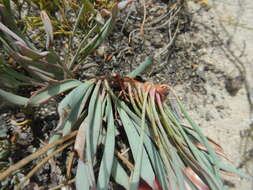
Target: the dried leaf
(218, 149)
(157, 185)
(28, 52)
(80, 140)
(195, 179)
(48, 28)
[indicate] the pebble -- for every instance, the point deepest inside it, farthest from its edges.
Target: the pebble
(157, 41)
(101, 50)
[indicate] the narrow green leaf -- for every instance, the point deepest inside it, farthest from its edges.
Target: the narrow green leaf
(81, 46)
(14, 99)
(233, 170)
(147, 172)
(83, 180)
(202, 137)
(53, 90)
(99, 38)
(95, 128)
(205, 166)
(48, 28)
(155, 158)
(135, 178)
(89, 144)
(7, 31)
(151, 148)
(119, 174)
(27, 51)
(38, 66)
(75, 106)
(108, 155)
(9, 21)
(10, 81)
(19, 76)
(70, 109)
(141, 68)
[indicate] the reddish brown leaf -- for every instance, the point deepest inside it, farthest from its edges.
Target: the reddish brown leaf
(229, 174)
(195, 179)
(217, 148)
(157, 185)
(145, 186)
(187, 186)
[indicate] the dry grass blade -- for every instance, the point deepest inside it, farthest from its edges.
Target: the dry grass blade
(35, 155)
(42, 163)
(69, 164)
(217, 148)
(63, 185)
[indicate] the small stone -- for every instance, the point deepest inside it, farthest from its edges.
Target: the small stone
(201, 72)
(208, 116)
(157, 41)
(101, 51)
(234, 84)
(147, 43)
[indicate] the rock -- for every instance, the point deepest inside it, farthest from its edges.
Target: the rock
(234, 84)
(101, 51)
(157, 41)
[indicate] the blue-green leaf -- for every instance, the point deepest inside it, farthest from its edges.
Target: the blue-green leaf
(108, 155)
(14, 99)
(83, 181)
(53, 90)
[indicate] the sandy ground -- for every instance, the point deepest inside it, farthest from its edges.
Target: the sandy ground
(222, 116)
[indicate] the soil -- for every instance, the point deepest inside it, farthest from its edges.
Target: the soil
(224, 112)
(209, 64)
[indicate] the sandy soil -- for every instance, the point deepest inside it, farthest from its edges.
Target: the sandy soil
(222, 116)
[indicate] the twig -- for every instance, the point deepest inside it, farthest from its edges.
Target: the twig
(157, 27)
(35, 155)
(122, 153)
(128, 15)
(43, 162)
(169, 44)
(64, 184)
(144, 18)
(70, 163)
(125, 161)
